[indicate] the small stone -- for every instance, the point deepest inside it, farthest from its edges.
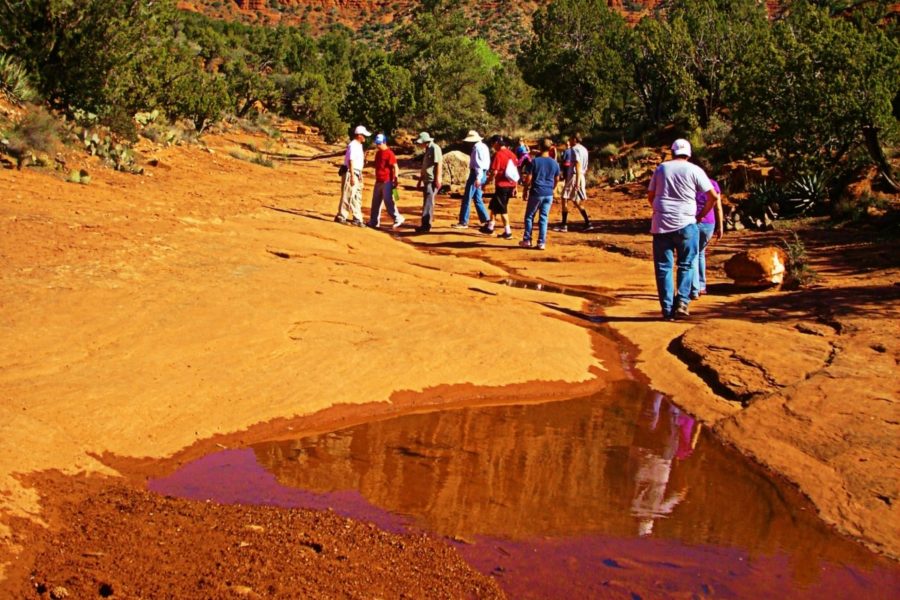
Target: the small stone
(59, 592)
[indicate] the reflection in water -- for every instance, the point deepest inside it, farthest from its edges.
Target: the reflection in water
(654, 468)
(625, 466)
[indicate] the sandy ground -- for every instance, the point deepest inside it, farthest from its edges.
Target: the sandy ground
(145, 316)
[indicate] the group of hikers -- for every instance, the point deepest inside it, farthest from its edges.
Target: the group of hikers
(687, 209)
(506, 169)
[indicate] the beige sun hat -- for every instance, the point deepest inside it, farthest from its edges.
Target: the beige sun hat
(472, 136)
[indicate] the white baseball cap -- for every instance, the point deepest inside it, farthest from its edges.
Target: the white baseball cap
(681, 147)
(361, 130)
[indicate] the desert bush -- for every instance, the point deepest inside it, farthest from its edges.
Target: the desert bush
(37, 132)
(640, 154)
(608, 152)
(717, 130)
(798, 273)
(14, 80)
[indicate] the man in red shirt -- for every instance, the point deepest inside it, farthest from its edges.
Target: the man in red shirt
(386, 174)
(503, 186)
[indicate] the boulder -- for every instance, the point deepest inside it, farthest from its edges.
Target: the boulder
(456, 170)
(760, 267)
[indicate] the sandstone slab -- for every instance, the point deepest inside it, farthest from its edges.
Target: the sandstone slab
(743, 360)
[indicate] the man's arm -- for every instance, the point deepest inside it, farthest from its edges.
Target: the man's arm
(650, 196)
(438, 171)
(712, 198)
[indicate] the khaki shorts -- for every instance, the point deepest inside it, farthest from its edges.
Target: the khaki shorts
(575, 189)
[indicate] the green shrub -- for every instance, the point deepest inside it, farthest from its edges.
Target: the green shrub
(798, 272)
(37, 132)
(717, 130)
(609, 151)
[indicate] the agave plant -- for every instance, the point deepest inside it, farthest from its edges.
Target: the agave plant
(806, 193)
(764, 202)
(14, 81)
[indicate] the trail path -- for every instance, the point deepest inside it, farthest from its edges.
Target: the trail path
(143, 315)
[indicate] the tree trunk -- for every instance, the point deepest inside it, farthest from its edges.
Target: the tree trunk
(870, 134)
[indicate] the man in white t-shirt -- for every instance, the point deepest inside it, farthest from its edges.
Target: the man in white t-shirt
(575, 189)
(351, 181)
(672, 194)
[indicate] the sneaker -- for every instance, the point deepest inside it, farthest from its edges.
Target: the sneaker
(504, 236)
(340, 219)
(525, 244)
(694, 295)
(681, 312)
(561, 228)
(486, 229)
(357, 223)
(398, 223)
(373, 225)
(421, 229)
(459, 226)
(541, 246)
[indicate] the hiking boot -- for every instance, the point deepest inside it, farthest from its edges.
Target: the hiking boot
(505, 236)
(560, 228)
(357, 223)
(541, 246)
(459, 226)
(525, 244)
(485, 229)
(398, 223)
(340, 219)
(681, 312)
(373, 225)
(421, 229)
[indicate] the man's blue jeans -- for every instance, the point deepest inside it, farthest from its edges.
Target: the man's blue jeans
(474, 193)
(677, 247)
(535, 204)
(705, 231)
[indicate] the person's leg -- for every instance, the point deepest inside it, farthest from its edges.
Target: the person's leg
(428, 206)
(377, 198)
(545, 203)
(356, 200)
(530, 211)
(580, 198)
(344, 204)
(478, 196)
(466, 199)
(663, 262)
(390, 206)
(686, 250)
(705, 233)
(503, 196)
